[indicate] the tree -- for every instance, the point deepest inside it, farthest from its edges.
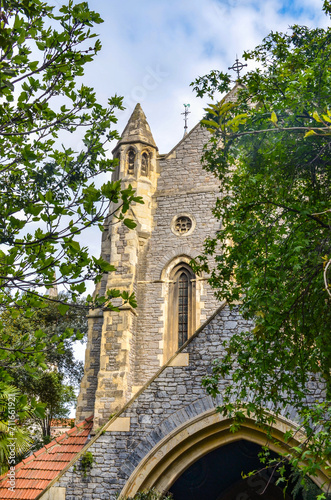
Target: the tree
(57, 396)
(47, 190)
(48, 194)
(270, 148)
(39, 393)
(14, 437)
(55, 387)
(61, 333)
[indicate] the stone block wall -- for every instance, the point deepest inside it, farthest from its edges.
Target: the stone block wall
(175, 396)
(183, 187)
(133, 345)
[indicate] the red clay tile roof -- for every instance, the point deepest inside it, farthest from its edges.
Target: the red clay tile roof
(35, 473)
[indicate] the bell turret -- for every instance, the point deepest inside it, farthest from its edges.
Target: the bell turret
(136, 150)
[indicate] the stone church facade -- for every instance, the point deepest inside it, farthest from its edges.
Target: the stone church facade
(145, 366)
(153, 423)
(153, 260)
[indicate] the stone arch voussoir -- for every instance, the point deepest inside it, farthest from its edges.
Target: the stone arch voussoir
(186, 436)
(185, 251)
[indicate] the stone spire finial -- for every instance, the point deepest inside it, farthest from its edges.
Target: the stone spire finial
(137, 130)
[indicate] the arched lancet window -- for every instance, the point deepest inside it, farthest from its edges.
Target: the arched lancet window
(183, 285)
(181, 322)
(144, 164)
(130, 161)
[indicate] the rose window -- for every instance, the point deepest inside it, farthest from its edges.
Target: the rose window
(182, 225)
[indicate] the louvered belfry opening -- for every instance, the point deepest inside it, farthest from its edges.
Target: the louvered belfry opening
(144, 164)
(131, 160)
(183, 285)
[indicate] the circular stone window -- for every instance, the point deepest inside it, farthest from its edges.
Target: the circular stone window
(182, 225)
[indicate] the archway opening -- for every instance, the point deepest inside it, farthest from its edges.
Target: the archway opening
(205, 453)
(218, 476)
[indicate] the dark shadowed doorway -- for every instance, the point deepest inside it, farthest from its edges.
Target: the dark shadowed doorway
(218, 476)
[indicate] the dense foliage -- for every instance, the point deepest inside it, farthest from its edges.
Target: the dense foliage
(47, 191)
(271, 149)
(53, 140)
(60, 332)
(44, 391)
(15, 439)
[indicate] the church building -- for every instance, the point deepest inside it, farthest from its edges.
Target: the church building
(143, 418)
(125, 349)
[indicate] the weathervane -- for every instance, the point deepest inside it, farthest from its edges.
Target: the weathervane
(238, 66)
(186, 113)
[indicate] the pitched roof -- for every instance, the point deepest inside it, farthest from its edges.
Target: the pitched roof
(137, 129)
(34, 473)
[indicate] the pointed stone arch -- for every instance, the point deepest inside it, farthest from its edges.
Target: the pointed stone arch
(170, 261)
(195, 438)
(180, 320)
(145, 163)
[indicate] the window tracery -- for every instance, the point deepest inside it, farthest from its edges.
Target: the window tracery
(182, 309)
(183, 225)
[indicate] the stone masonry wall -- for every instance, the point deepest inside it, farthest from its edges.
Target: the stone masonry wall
(88, 386)
(183, 187)
(174, 397)
(132, 349)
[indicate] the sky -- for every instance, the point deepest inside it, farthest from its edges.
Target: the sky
(153, 49)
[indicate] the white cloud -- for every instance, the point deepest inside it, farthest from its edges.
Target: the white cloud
(153, 49)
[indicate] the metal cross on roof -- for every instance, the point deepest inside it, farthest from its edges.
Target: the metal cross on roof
(186, 113)
(238, 66)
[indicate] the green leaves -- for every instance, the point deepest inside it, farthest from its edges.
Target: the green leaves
(129, 223)
(210, 123)
(274, 165)
(47, 191)
(215, 81)
(316, 117)
(63, 308)
(309, 133)
(103, 266)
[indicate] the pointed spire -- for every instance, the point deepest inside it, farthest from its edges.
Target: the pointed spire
(137, 129)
